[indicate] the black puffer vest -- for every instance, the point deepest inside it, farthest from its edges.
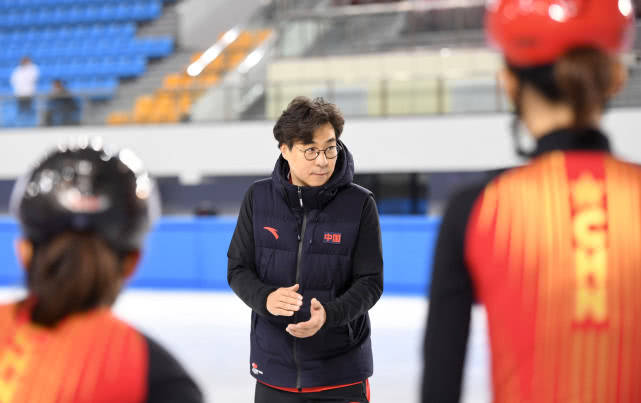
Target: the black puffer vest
(307, 236)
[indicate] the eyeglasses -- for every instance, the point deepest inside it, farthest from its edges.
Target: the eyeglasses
(312, 153)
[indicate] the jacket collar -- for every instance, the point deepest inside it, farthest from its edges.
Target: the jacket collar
(315, 197)
(588, 139)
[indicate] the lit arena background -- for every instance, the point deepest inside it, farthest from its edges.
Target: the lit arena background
(194, 87)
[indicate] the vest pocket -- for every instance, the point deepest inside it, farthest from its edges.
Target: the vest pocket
(329, 341)
(272, 339)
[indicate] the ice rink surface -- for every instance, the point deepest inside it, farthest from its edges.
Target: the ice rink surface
(209, 333)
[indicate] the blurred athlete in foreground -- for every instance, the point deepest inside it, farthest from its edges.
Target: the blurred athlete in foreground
(84, 214)
(552, 249)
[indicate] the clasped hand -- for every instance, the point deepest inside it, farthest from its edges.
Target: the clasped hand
(286, 301)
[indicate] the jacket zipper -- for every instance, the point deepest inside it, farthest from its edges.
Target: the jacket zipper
(301, 237)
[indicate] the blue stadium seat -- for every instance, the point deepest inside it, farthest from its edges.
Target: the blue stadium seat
(76, 13)
(152, 47)
(5, 89)
(46, 34)
(122, 12)
(25, 19)
(88, 44)
(160, 47)
(5, 19)
(105, 67)
(75, 67)
(22, 4)
(44, 86)
(102, 88)
(134, 67)
(11, 118)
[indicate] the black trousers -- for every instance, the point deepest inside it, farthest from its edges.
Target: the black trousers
(356, 393)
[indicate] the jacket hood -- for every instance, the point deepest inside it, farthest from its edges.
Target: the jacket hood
(318, 196)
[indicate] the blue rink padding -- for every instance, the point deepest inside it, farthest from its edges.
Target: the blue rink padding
(191, 253)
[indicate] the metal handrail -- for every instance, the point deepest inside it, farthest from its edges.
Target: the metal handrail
(381, 8)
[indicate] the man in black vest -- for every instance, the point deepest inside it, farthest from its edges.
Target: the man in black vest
(306, 256)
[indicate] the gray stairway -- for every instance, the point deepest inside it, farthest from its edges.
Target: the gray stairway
(166, 25)
(97, 112)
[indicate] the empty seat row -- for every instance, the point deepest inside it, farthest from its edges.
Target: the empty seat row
(105, 86)
(20, 4)
(46, 62)
(70, 70)
(81, 32)
(81, 14)
(148, 47)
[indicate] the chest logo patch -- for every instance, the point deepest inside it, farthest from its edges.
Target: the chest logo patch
(273, 231)
(332, 237)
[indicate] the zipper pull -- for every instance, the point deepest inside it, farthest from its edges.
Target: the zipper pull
(300, 196)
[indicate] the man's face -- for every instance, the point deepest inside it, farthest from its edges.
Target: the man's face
(318, 171)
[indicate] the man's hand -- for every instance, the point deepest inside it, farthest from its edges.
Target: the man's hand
(284, 301)
(313, 325)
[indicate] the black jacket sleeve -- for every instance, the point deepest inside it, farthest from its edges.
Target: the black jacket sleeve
(168, 382)
(367, 272)
(241, 268)
(451, 299)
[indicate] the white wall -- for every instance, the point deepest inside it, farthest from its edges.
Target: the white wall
(417, 82)
(420, 144)
(454, 63)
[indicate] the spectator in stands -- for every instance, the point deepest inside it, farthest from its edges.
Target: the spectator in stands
(306, 257)
(62, 108)
(551, 249)
(24, 81)
(84, 215)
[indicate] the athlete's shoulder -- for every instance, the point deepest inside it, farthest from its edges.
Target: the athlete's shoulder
(633, 166)
(465, 197)
(7, 314)
(168, 381)
(7, 309)
(107, 318)
(121, 332)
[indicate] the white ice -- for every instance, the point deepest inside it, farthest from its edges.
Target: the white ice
(209, 333)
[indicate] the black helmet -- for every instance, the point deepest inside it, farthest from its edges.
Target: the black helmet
(83, 187)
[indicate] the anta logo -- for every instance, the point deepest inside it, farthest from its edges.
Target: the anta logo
(273, 231)
(255, 369)
(332, 237)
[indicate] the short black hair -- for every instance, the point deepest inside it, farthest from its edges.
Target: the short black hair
(302, 117)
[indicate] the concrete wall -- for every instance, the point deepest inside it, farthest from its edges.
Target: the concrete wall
(418, 144)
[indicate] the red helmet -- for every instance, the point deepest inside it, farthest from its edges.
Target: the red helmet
(534, 32)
